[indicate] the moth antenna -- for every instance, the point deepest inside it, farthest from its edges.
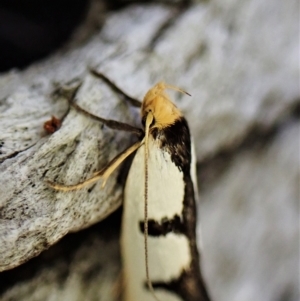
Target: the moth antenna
(177, 89)
(149, 120)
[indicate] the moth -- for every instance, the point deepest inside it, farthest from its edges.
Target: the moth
(158, 242)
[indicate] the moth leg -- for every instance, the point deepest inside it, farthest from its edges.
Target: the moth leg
(134, 102)
(113, 124)
(103, 174)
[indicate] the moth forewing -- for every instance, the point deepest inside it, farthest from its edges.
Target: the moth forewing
(167, 253)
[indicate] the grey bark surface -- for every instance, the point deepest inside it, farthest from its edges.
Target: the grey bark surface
(239, 60)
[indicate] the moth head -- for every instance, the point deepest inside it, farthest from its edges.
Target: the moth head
(158, 103)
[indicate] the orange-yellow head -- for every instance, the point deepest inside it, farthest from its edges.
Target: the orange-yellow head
(158, 103)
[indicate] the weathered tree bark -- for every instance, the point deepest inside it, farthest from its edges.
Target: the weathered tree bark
(239, 60)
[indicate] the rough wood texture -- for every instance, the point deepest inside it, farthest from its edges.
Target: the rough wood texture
(239, 60)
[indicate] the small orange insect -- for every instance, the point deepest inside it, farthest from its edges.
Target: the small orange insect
(52, 125)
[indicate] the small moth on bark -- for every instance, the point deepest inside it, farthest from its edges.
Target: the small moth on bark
(158, 242)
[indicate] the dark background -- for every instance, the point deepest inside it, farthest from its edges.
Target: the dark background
(31, 29)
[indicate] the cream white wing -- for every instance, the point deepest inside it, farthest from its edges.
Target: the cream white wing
(169, 254)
